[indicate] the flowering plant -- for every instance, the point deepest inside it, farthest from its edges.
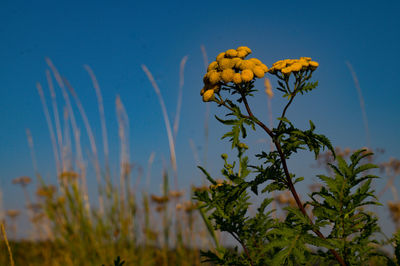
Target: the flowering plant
(337, 208)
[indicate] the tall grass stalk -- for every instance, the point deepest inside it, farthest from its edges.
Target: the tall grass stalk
(362, 103)
(207, 112)
(55, 112)
(3, 231)
(167, 122)
(179, 102)
(92, 142)
(50, 126)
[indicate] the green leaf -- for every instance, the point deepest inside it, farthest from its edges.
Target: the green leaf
(207, 175)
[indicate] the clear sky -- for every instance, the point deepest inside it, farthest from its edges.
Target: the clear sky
(115, 37)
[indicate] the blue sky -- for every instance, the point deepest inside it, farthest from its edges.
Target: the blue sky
(116, 37)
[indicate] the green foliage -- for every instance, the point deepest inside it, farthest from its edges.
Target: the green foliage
(340, 204)
(338, 208)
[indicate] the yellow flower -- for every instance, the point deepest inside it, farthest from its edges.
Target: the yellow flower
(216, 88)
(213, 76)
(279, 62)
(286, 71)
(305, 58)
(226, 63)
(296, 67)
(242, 54)
(280, 66)
(203, 90)
(227, 75)
(246, 64)
(255, 61)
(237, 78)
(236, 61)
(304, 63)
(247, 75)
(208, 96)
(212, 66)
(264, 67)
(258, 72)
(220, 56)
(244, 48)
(231, 53)
(313, 65)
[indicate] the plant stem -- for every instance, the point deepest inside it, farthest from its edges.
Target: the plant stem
(244, 248)
(287, 174)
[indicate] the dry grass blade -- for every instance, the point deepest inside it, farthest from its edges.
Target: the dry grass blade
(92, 142)
(7, 244)
(166, 119)
(362, 104)
(101, 111)
(55, 109)
(70, 113)
(32, 150)
(270, 93)
(149, 164)
(207, 113)
(123, 131)
(194, 151)
(50, 126)
(179, 103)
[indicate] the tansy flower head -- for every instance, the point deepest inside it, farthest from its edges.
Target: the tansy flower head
(213, 76)
(256, 61)
(242, 54)
(258, 72)
(208, 96)
(237, 78)
(227, 75)
(230, 66)
(231, 53)
(296, 67)
(220, 56)
(288, 66)
(313, 65)
(286, 70)
(246, 64)
(244, 48)
(212, 66)
(247, 75)
(226, 63)
(305, 58)
(264, 67)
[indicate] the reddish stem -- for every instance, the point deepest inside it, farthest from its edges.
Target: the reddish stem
(288, 178)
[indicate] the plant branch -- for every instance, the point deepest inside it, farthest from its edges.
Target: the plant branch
(287, 174)
(244, 247)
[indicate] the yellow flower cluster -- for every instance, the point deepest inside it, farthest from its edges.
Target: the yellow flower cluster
(230, 66)
(288, 66)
